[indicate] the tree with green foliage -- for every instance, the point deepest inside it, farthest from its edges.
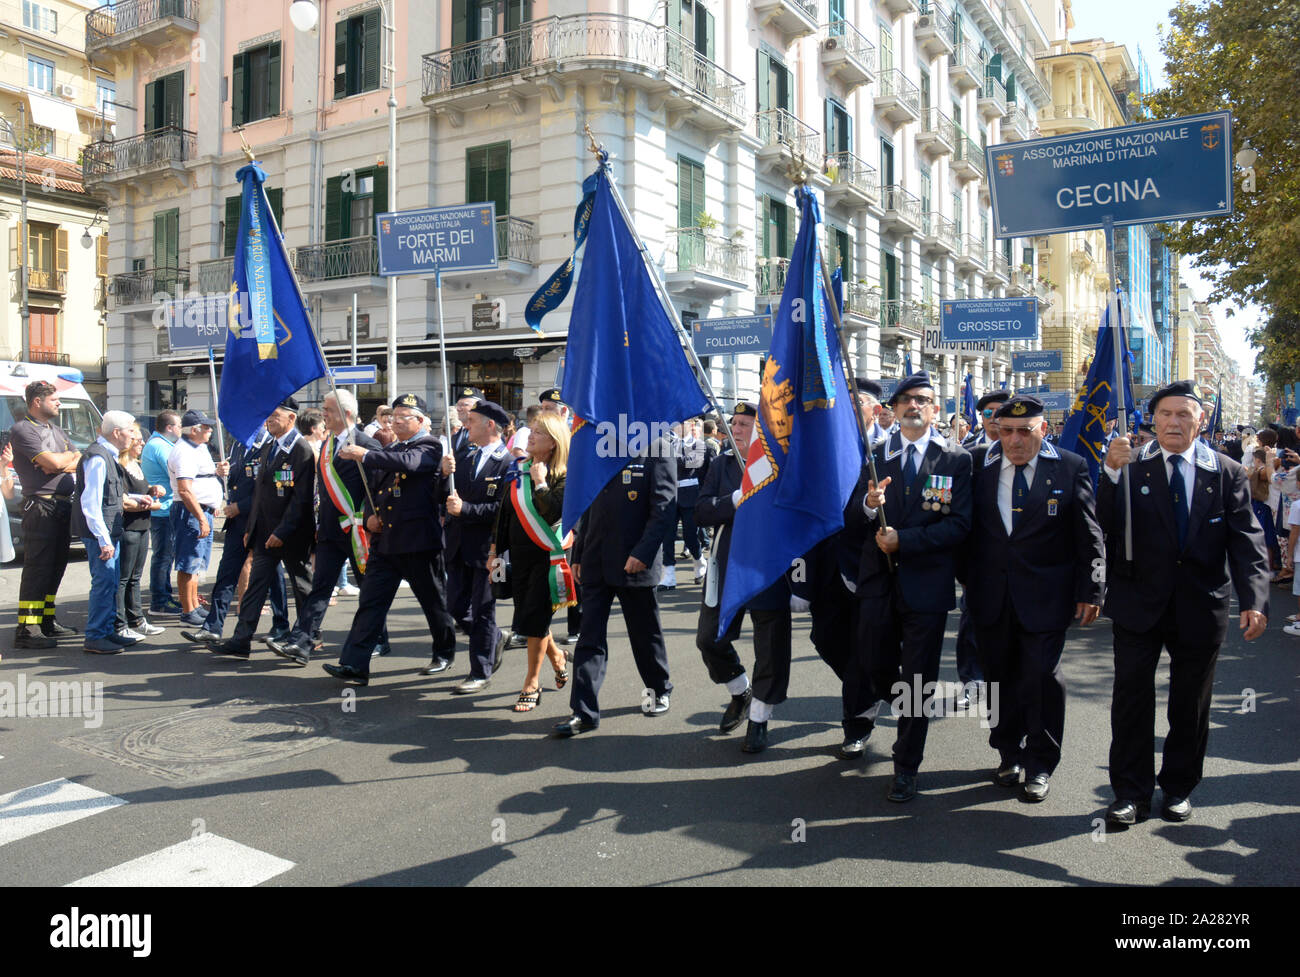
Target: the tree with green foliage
(1244, 55)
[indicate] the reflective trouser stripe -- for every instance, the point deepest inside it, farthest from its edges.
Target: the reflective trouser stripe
(49, 606)
(30, 611)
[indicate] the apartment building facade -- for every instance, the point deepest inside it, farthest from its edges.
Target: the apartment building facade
(701, 103)
(53, 102)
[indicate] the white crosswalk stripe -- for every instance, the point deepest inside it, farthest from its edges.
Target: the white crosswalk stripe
(208, 861)
(31, 810)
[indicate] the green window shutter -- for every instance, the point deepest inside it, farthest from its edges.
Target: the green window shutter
(341, 59)
(337, 209)
(705, 32)
(370, 44)
(461, 20)
(174, 99)
(518, 13)
(760, 232)
(690, 191)
(238, 90)
(995, 67)
(764, 82)
(380, 174)
(152, 102)
(475, 175)
(790, 229)
(166, 239)
(232, 226)
(843, 246)
(1011, 87)
(673, 13)
(275, 197)
(273, 79)
(784, 86)
(498, 178)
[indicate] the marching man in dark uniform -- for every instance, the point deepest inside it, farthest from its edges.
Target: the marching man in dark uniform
(466, 398)
(693, 457)
(471, 502)
(340, 525)
(618, 552)
(924, 495)
(281, 527)
(986, 409)
(1194, 534)
(1035, 552)
(405, 541)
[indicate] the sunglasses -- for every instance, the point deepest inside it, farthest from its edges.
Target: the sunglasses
(921, 401)
(987, 412)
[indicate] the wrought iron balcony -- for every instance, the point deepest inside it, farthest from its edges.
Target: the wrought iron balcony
(651, 56)
(48, 356)
(992, 100)
(769, 276)
(516, 250)
(852, 180)
(216, 275)
(967, 158)
(965, 69)
(899, 7)
(902, 211)
(847, 54)
(337, 261)
(149, 285)
(148, 23)
(997, 270)
(1015, 124)
(899, 318)
(793, 18)
(934, 30)
(861, 302)
(703, 264)
(938, 234)
(1021, 282)
(779, 131)
(972, 256)
(938, 133)
(45, 280)
(162, 149)
(897, 97)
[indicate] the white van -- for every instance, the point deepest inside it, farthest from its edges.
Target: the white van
(78, 415)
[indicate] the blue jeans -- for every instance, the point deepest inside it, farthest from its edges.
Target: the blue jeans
(161, 541)
(101, 619)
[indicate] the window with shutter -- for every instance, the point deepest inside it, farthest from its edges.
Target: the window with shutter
(164, 102)
(690, 191)
(487, 176)
(230, 226)
(338, 220)
(358, 50)
(101, 255)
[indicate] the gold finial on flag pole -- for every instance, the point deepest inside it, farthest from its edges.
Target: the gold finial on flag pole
(248, 150)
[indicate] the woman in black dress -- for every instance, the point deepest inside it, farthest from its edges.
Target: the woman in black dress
(528, 527)
(135, 541)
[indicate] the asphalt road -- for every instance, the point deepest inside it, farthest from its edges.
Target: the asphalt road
(261, 772)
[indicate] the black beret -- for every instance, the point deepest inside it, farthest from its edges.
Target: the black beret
(493, 412)
(1021, 405)
(745, 409)
(412, 401)
(872, 387)
(1148, 428)
(551, 396)
(1179, 388)
(288, 404)
(995, 397)
(921, 378)
(463, 392)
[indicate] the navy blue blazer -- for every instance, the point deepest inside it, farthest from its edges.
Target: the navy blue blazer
(405, 487)
(629, 518)
(467, 537)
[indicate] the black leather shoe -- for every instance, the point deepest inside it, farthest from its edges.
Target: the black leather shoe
(231, 649)
(853, 748)
(99, 647)
(277, 636)
(202, 636)
(1176, 808)
(298, 653)
(348, 674)
(1036, 787)
(382, 651)
(755, 738)
(903, 788)
(1127, 812)
(57, 630)
(735, 712)
(572, 727)
(1008, 774)
(658, 707)
(439, 664)
(26, 639)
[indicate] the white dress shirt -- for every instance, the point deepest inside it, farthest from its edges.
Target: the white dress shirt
(921, 444)
(92, 494)
(1189, 471)
(484, 453)
(1005, 477)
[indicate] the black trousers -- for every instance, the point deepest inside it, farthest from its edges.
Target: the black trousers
(902, 649)
(46, 538)
(968, 657)
(1133, 707)
(131, 560)
(719, 654)
(771, 655)
(1028, 689)
(384, 573)
(266, 563)
(331, 554)
(591, 656)
(834, 610)
(469, 595)
(233, 556)
(690, 533)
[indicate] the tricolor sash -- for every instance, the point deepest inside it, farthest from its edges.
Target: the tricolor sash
(560, 574)
(350, 517)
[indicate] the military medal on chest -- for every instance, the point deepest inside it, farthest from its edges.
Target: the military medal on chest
(945, 493)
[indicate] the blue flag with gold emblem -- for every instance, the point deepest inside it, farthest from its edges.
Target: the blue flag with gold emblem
(1097, 404)
(806, 453)
(626, 376)
(271, 351)
(968, 402)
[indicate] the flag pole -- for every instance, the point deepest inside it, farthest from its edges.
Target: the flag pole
(1116, 313)
(221, 434)
(701, 375)
(442, 353)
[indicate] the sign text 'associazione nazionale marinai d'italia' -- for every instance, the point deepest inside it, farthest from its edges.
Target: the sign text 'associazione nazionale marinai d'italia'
(989, 320)
(1173, 169)
(437, 239)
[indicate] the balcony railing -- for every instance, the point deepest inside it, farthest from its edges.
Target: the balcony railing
(862, 300)
(216, 276)
(1016, 124)
(109, 22)
(902, 315)
(973, 248)
(769, 276)
(896, 87)
(44, 280)
(516, 240)
(840, 38)
(965, 69)
(903, 205)
(143, 287)
(556, 42)
(846, 169)
(992, 100)
(939, 231)
(48, 356)
(352, 257)
(998, 265)
(692, 249)
(934, 30)
(967, 157)
(779, 128)
(170, 144)
(938, 132)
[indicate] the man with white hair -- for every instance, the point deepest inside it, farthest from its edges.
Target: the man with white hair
(97, 519)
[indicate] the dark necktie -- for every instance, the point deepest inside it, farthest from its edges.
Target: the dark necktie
(1178, 493)
(1019, 492)
(909, 469)
(474, 452)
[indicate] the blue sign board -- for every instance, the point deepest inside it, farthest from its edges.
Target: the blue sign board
(997, 320)
(418, 242)
(1057, 400)
(1041, 389)
(732, 335)
(1173, 169)
(197, 321)
(887, 387)
(950, 406)
(559, 372)
(364, 373)
(1037, 361)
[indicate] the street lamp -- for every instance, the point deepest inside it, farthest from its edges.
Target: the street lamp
(304, 14)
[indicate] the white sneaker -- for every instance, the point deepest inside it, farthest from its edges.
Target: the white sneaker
(701, 568)
(405, 584)
(669, 580)
(128, 633)
(349, 590)
(148, 630)
(1292, 629)
(334, 592)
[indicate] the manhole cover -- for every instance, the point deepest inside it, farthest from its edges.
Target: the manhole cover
(217, 741)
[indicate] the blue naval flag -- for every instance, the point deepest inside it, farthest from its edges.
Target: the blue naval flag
(271, 352)
(626, 377)
(968, 401)
(1096, 404)
(806, 453)
(907, 364)
(1216, 424)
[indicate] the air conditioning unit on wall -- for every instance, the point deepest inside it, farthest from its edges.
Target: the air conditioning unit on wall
(68, 91)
